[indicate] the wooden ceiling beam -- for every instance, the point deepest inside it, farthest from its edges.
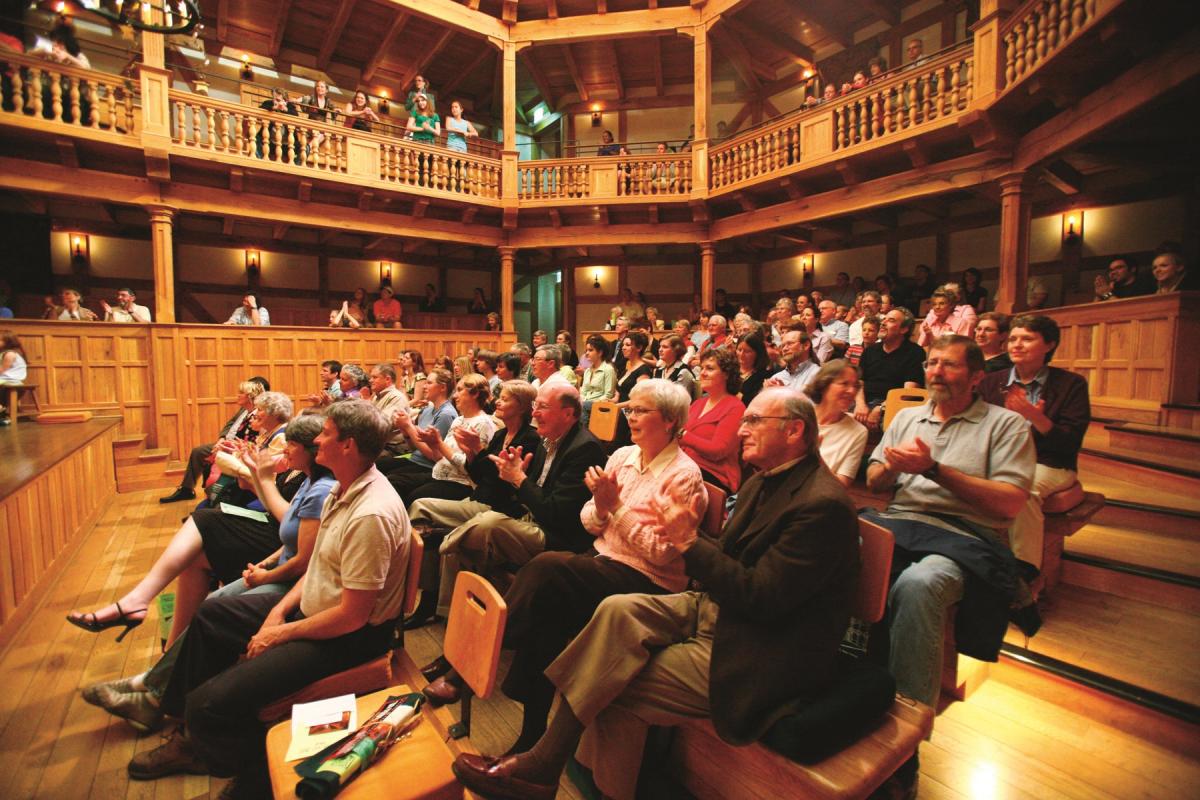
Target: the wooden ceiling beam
(509, 12)
(1063, 176)
(774, 39)
(656, 64)
(398, 23)
(552, 9)
(222, 20)
(886, 10)
(623, 24)
(539, 80)
(281, 20)
(827, 21)
(470, 69)
(576, 76)
(421, 64)
(614, 64)
(741, 60)
(333, 33)
(455, 15)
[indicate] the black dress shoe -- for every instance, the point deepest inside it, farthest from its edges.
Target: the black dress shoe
(435, 669)
(425, 613)
(182, 493)
(494, 778)
(443, 691)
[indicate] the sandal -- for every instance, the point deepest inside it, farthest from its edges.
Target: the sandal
(94, 625)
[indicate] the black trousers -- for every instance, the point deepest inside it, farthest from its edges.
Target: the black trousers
(406, 477)
(551, 600)
(197, 466)
(219, 696)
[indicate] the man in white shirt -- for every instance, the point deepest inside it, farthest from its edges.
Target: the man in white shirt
(249, 313)
(871, 302)
(127, 309)
(799, 368)
(546, 362)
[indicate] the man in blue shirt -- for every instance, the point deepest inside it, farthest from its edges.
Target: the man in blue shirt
(414, 469)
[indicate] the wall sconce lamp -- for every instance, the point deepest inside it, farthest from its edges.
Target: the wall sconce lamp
(79, 246)
(1072, 227)
(595, 115)
(385, 273)
(253, 262)
(247, 73)
(384, 106)
(807, 267)
(596, 279)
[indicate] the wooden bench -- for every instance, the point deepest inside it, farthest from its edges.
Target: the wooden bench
(13, 393)
(1066, 512)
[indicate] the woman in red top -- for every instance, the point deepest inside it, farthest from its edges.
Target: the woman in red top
(710, 436)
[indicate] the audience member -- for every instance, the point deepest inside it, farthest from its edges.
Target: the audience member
(599, 379)
(63, 46)
(352, 380)
(424, 125)
(237, 428)
(493, 321)
(955, 483)
(653, 320)
(13, 368)
(359, 114)
(331, 387)
(798, 365)
(991, 334)
(458, 130)
(412, 374)
(1037, 294)
(1055, 402)
(564, 339)
(710, 436)
(546, 363)
(72, 309)
(973, 293)
(449, 479)
(870, 330)
(671, 353)
(891, 363)
(127, 309)
(244, 652)
(249, 313)
(389, 399)
(837, 331)
(754, 650)
(921, 288)
(718, 335)
(420, 87)
(387, 309)
(631, 309)
(636, 369)
(415, 469)
(555, 594)
(723, 306)
(525, 353)
(275, 141)
(1170, 270)
(485, 365)
(833, 390)
(479, 302)
(683, 329)
(941, 319)
(431, 302)
(870, 308)
(508, 367)
(822, 344)
(1122, 279)
(753, 364)
(841, 293)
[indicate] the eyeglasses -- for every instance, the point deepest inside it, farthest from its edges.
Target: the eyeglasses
(754, 420)
(636, 411)
(934, 363)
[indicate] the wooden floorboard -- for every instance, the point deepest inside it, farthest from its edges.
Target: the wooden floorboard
(1021, 735)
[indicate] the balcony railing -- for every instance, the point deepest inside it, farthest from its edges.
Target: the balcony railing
(555, 179)
(1039, 29)
(37, 90)
(655, 175)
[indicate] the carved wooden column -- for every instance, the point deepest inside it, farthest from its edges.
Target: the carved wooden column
(162, 251)
(507, 280)
(702, 91)
(1014, 242)
(708, 263)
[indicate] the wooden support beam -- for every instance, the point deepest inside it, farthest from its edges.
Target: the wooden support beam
(419, 208)
(364, 200)
(601, 6)
(333, 33)
(448, 13)
(222, 20)
(743, 63)
(792, 186)
(381, 51)
(917, 152)
(281, 20)
(617, 25)
(700, 213)
(849, 172)
(656, 64)
(1063, 176)
(470, 68)
(280, 230)
(773, 38)
(68, 156)
(304, 191)
(539, 79)
(614, 63)
(745, 201)
(576, 75)
(227, 226)
(555, 218)
(327, 236)
(468, 214)
(237, 179)
(886, 10)
(376, 243)
(421, 64)
(837, 29)
(509, 12)
(552, 9)
(652, 214)
(601, 213)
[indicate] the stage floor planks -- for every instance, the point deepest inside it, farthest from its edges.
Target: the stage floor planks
(29, 449)
(1022, 734)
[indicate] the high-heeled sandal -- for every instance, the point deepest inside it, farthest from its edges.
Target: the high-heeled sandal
(94, 625)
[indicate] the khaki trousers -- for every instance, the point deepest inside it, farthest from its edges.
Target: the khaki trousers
(642, 660)
(482, 539)
(1029, 528)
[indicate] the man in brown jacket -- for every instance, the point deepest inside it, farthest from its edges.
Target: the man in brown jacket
(757, 645)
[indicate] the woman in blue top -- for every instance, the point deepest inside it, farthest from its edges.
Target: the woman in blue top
(458, 130)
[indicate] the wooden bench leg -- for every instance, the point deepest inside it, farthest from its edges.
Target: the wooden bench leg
(1052, 550)
(14, 395)
(961, 675)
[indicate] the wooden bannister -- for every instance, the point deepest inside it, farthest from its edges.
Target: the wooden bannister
(760, 152)
(1040, 28)
(555, 179)
(655, 175)
(40, 91)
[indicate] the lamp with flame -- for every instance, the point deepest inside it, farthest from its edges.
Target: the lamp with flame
(79, 245)
(595, 115)
(596, 279)
(385, 273)
(807, 267)
(1072, 227)
(383, 102)
(247, 72)
(253, 262)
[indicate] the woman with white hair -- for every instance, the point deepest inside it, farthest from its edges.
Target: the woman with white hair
(555, 594)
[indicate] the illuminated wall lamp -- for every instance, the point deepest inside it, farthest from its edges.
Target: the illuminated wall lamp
(808, 267)
(79, 245)
(1072, 227)
(247, 72)
(383, 102)
(253, 262)
(595, 115)
(596, 279)
(385, 273)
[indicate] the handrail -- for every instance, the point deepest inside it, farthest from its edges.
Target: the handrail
(557, 178)
(1038, 29)
(667, 174)
(69, 95)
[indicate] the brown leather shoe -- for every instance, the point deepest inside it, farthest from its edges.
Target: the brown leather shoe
(442, 692)
(435, 669)
(493, 777)
(173, 757)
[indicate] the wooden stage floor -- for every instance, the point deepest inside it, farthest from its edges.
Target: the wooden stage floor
(1022, 734)
(29, 449)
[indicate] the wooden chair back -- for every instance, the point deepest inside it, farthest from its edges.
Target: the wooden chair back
(412, 576)
(474, 632)
(603, 422)
(875, 552)
(714, 515)
(898, 399)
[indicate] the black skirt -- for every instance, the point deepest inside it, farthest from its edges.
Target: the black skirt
(231, 542)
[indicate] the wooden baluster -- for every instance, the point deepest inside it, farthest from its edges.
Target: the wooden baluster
(177, 122)
(837, 129)
(910, 91)
(73, 96)
(943, 88)
(879, 102)
(110, 100)
(1064, 21)
(195, 125)
(1090, 9)
(18, 92)
(1050, 9)
(970, 82)
(93, 98)
(1031, 54)
(252, 141)
(858, 120)
(1019, 65)
(211, 116)
(1079, 16)
(1010, 58)
(128, 111)
(35, 91)
(343, 153)
(223, 127)
(1041, 34)
(56, 104)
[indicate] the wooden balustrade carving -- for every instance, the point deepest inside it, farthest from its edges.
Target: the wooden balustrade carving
(1039, 29)
(83, 98)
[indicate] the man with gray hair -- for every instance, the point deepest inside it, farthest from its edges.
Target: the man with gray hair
(871, 303)
(244, 652)
(388, 399)
(546, 361)
(758, 645)
(526, 353)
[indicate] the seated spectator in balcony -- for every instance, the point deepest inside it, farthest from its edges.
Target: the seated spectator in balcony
(458, 130)
(343, 317)
(991, 334)
(671, 365)
(449, 479)
(359, 114)
(723, 306)
(973, 293)
(833, 391)
(1037, 294)
(842, 294)
(876, 69)
(599, 380)
(420, 87)
(1171, 272)
(915, 53)
(920, 289)
(822, 344)
(479, 303)
(407, 472)
(891, 363)
(710, 435)
(960, 468)
(608, 148)
(72, 309)
(656, 323)
(431, 303)
(631, 309)
(722, 131)
(63, 46)
(278, 142)
(127, 309)
(425, 125)
(244, 652)
(753, 365)
(870, 329)
(1123, 279)
(249, 313)
(555, 594)
(387, 309)
(51, 305)
(1055, 403)
(871, 301)
(799, 365)
(662, 173)
(493, 321)
(860, 80)
(320, 107)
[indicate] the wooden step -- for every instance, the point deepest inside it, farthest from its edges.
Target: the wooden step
(1153, 476)
(1152, 549)
(1145, 589)
(158, 454)
(1155, 441)
(1139, 642)
(128, 448)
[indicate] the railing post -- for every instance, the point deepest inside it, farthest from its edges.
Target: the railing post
(708, 263)
(156, 105)
(989, 51)
(507, 306)
(1015, 208)
(163, 255)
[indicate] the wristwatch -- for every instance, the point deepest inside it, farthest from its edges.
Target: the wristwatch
(931, 473)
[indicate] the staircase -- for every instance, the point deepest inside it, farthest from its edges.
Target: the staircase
(140, 467)
(1126, 617)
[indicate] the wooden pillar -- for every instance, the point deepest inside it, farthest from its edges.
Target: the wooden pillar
(507, 278)
(508, 155)
(708, 264)
(568, 302)
(1015, 211)
(702, 92)
(989, 51)
(162, 252)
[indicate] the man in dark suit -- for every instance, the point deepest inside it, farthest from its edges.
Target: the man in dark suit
(548, 492)
(757, 645)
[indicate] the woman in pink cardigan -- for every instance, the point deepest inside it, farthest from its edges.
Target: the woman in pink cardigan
(947, 315)
(711, 434)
